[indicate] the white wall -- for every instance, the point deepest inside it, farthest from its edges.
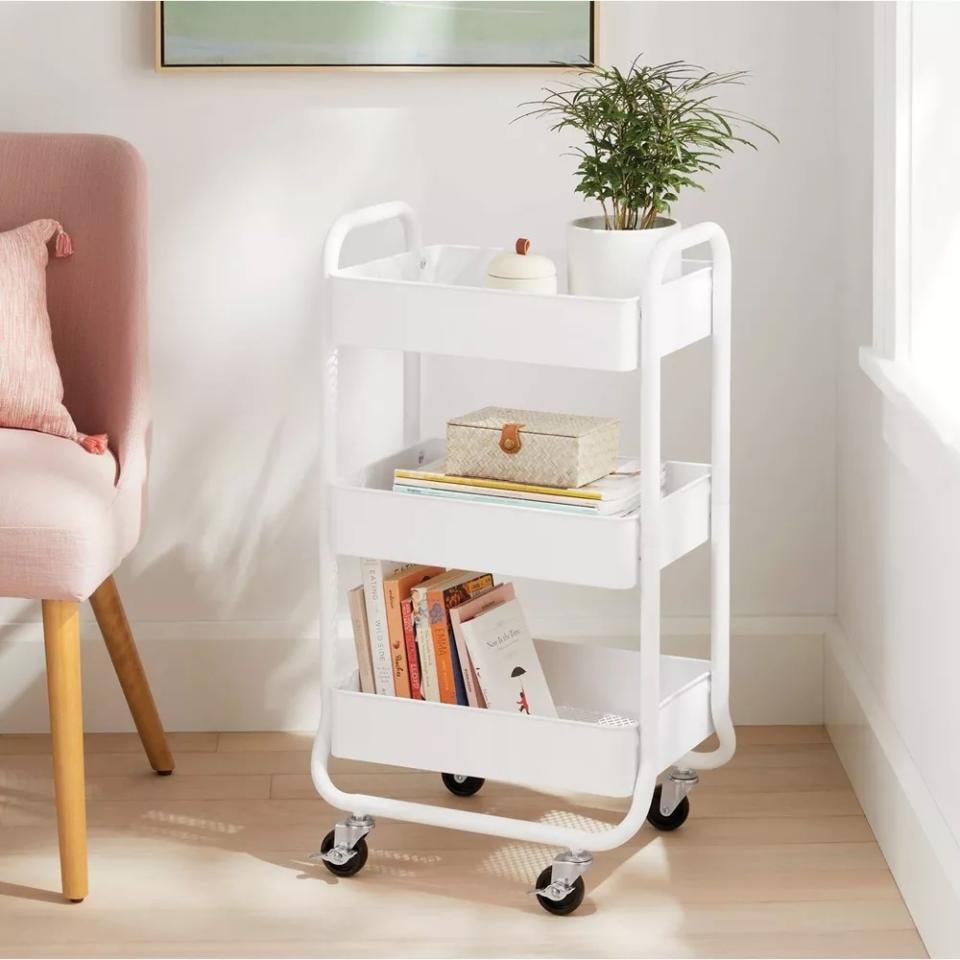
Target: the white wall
(891, 699)
(247, 171)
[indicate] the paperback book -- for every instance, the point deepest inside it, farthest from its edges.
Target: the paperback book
(373, 574)
(506, 662)
(361, 638)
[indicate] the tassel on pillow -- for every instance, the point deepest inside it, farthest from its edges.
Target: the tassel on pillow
(64, 245)
(93, 442)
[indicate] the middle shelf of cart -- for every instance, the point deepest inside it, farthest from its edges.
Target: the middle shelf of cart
(369, 519)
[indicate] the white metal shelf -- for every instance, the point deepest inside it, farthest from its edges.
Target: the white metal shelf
(369, 520)
(435, 302)
(590, 748)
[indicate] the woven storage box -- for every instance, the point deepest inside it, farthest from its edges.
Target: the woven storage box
(527, 446)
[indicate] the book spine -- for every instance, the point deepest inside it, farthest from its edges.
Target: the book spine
(437, 607)
(377, 625)
(468, 679)
(410, 642)
(361, 639)
(398, 646)
(428, 662)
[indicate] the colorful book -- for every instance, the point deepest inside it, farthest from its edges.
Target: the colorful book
(374, 572)
(361, 638)
(410, 642)
(505, 659)
(459, 616)
(429, 685)
(441, 598)
(396, 589)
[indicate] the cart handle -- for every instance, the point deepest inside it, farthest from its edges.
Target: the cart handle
(365, 217)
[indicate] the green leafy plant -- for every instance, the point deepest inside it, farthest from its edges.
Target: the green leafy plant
(649, 132)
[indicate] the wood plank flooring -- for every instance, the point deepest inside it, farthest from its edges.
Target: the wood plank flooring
(776, 860)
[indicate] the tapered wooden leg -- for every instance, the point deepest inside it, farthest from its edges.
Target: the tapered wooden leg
(61, 638)
(108, 610)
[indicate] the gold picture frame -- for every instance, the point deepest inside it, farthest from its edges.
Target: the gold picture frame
(162, 67)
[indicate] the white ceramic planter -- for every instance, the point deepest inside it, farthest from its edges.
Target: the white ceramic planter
(612, 263)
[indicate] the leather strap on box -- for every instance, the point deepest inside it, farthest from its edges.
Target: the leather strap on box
(510, 441)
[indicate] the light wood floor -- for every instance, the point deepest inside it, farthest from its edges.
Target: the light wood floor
(776, 860)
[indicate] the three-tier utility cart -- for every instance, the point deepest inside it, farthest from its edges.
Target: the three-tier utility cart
(626, 716)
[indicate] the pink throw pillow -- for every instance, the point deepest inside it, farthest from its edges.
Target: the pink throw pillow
(31, 390)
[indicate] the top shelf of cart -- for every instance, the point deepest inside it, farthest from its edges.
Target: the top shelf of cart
(434, 301)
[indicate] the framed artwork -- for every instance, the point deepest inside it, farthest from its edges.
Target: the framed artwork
(374, 34)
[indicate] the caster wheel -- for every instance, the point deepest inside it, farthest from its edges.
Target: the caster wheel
(461, 786)
(676, 819)
(568, 904)
(353, 866)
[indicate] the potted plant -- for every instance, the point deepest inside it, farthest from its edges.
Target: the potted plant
(649, 133)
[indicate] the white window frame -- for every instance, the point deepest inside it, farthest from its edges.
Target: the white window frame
(892, 104)
(887, 362)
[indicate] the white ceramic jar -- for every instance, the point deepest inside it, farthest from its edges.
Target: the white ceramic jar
(521, 270)
(613, 263)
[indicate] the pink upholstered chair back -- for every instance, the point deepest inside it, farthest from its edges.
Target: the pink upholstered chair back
(94, 186)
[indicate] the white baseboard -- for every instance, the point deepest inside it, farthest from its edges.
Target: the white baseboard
(262, 675)
(919, 846)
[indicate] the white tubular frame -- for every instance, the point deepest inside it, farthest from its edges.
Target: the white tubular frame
(649, 659)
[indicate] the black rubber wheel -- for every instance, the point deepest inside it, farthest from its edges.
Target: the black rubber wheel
(353, 866)
(568, 904)
(461, 786)
(676, 819)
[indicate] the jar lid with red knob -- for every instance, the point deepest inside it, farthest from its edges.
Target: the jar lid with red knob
(520, 270)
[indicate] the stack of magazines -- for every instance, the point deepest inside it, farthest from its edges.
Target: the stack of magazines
(616, 494)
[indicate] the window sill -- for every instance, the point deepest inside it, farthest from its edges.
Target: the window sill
(920, 423)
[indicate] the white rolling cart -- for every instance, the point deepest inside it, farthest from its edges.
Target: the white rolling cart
(626, 716)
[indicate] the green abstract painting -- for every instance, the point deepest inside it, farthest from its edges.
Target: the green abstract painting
(374, 33)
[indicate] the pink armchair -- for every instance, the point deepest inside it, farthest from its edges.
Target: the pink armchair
(68, 518)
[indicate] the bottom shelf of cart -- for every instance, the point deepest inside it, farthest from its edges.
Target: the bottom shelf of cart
(592, 747)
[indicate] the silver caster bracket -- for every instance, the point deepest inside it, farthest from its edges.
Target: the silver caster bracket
(679, 782)
(670, 807)
(560, 887)
(344, 849)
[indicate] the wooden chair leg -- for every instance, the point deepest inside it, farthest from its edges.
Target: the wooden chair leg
(110, 615)
(61, 638)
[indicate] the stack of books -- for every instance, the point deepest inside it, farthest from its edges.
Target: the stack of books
(447, 636)
(616, 494)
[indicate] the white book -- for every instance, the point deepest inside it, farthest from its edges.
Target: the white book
(374, 572)
(361, 638)
(506, 662)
